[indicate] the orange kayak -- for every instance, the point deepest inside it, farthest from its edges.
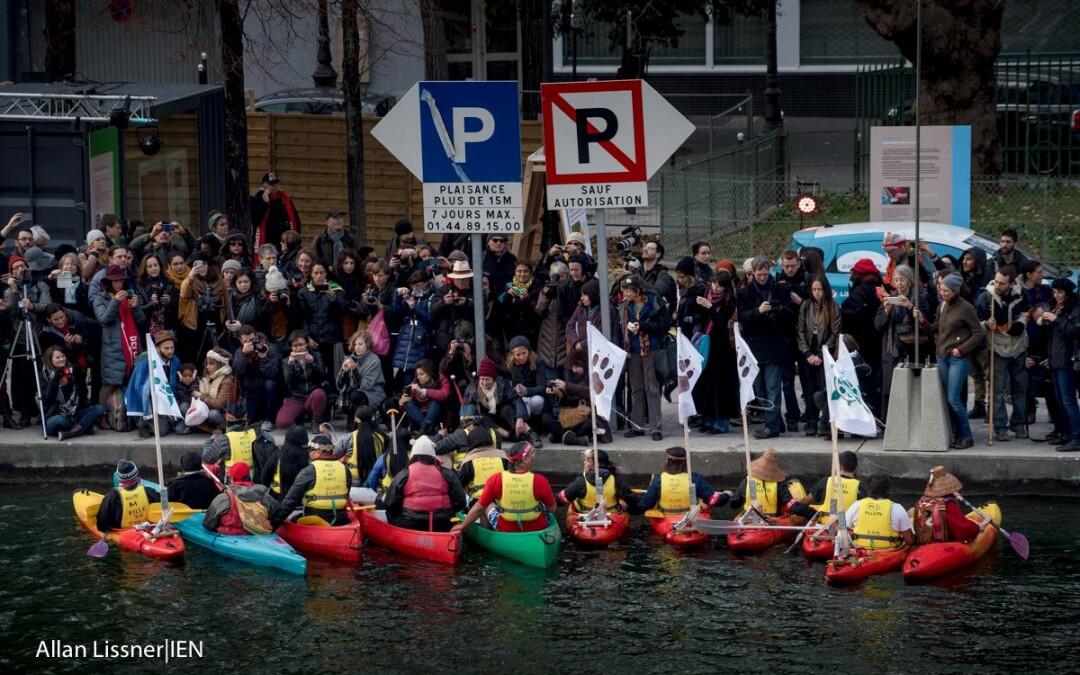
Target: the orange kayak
(755, 541)
(932, 561)
(864, 563)
(442, 547)
(688, 537)
(597, 536)
(342, 542)
(167, 547)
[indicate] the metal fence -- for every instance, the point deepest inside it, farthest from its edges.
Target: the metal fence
(742, 217)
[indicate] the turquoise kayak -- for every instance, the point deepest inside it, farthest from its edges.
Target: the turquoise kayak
(536, 549)
(266, 550)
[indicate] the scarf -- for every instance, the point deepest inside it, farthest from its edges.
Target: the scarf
(337, 236)
(260, 231)
(519, 290)
(209, 385)
(177, 279)
(129, 337)
(486, 398)
(68, 405)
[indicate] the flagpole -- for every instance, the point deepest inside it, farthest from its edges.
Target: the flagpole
(600, 506)
(157, 430)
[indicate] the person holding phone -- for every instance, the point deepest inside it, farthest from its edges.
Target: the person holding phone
(305, 378)
(68, 412)
(321, 303)
(764, 309)
(896, 323)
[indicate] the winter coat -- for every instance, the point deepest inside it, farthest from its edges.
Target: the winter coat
(366, 377)
(659, 277)
(81, 301)
(809, 339)
(219, 390)
(764, 333)
(112, 364)
(897, 328)
(957, 327)
(445, 318)
(690, 316)
(64, 399)
(252, 369)
(413, 341)
(499, 269)
(1063, 334)
(577, 331)
(551, 340)
(303, 378)
(321, 312)
(652, 324)
(251, 309)
(77, 325)
(1010, 313)
(857, 314)
(38, 293)
(324, 247)
(976, 280)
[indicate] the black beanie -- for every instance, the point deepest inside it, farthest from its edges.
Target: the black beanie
(686, 266)
(402, 226)
(191, 461)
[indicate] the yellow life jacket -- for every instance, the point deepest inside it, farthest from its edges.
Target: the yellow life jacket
(388, 477)
(352, 460)
(767, 496)
(331, 489)
(517, 503)
(873, 529)
(850, 489)
(135, 505)
(458, 457)
(674, 492)
(483, 468)
(275, 484)
(587, 502)
(240, 448)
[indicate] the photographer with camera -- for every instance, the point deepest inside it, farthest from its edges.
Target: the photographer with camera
(360, 380)
(257, 367)
(514, 311)
(411, 308)
(66, 286)
(21, 290)
(247, 304)
(320, 305)
(119, 312)
(202, 303)
(573, 425)
(451, 305)
(165, 238)
(551, 342)
(70, 331)
(499, 263)
(305, 382)
(68, 413)
(654, 273)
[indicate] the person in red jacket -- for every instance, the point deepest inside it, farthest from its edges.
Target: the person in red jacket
(938, 516)
(242, 508)
(424, 495)
(425, 399)
(522, 499)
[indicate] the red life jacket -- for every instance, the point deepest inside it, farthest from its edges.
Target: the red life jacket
(426, 490)
(230, 522)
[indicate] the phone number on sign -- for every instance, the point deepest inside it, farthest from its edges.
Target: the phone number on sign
(466, 226)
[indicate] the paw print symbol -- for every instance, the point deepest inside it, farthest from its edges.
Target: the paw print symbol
(601, 373)
(744, 368)
(686, 373)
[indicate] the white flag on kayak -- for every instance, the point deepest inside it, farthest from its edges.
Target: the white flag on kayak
(163, 399)
(846, 405)
(748, 369)
(690, 365)
(606, 362)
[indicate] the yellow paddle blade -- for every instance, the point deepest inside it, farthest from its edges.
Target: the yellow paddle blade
(317, 521)
(638, 491)
(362, 507)
(180, 511)
(655, 513)
(796, 489)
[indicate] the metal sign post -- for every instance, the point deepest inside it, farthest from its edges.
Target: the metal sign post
(478, 296)
(602, 272)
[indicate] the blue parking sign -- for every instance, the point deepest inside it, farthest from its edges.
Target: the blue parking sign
(470, 132)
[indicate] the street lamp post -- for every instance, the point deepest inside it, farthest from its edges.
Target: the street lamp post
(324, 75)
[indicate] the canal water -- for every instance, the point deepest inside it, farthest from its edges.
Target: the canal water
(641, 607)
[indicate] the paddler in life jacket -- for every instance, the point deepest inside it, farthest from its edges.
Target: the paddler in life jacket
(669, 492)
(214, 451)
(248, 444)
(877, 522)
(582, 489)
(284, 465)
(456, 443)
(129, 504)
(776, 495)
(483, 461)
(522, 499)
(363, 447)
(322, 487)
(390, 462)
(937, 514)
(425, 495)
(243, 508)
(821, 495)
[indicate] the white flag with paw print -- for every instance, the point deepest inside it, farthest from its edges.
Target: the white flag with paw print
(606, 362)
(690, 364)
(748, 369)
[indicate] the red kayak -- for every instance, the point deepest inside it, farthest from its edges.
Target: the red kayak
(597, 536)
(342, 542)
(864, 563)
(818, 545)
(688, 537)
(755, 541)
(933, 561)
(166, 547)
(441, 547)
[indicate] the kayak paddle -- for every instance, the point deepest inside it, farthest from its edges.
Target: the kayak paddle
(101, 548)
(179, 510)
(1018, 541)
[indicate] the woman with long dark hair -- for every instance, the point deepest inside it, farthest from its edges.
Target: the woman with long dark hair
(158, 296)
(1063, 324)
(280, 469)
(816, 329)
(716, 395)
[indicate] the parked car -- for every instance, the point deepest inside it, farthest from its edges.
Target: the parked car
(844, 245)
(320, 101)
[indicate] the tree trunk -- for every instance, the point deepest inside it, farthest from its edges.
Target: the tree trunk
(354, 121)
(534, 22)
(961, 40)
(60, 40)
(435, 67)
(236, 148)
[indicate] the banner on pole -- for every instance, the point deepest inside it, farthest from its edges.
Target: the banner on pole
(748, 369)
(690, 365)
(606, 362)
(846, 405)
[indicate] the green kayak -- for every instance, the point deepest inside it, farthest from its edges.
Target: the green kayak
(537, 549)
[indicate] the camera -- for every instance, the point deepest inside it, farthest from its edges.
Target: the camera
(631, 262)
(631, 237)
(259, 345)
(371, 295)
(166, 226)
(207, 303)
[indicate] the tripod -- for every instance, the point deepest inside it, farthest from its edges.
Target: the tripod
(31, 350)
(210, 335)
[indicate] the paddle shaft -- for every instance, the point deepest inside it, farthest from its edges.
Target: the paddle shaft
(596, 453)
(990, 408)
(751, 488)
(982, 515)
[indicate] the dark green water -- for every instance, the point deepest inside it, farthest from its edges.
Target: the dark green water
(639, 608)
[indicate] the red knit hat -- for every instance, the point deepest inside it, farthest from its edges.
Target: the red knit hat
(865, 266)
(240, 473)
(487, 368)
(15, 259)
